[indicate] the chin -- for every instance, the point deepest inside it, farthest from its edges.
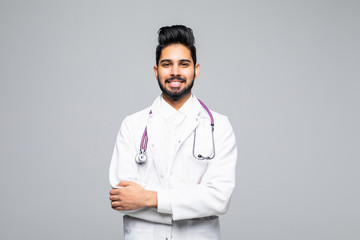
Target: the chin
(174, 90)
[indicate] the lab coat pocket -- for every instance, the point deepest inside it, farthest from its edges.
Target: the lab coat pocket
(137, 229)
(196, 167)
(204, 229)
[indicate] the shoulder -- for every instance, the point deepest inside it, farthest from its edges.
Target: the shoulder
(131, 124)
(222, 126)
(139, 114)
(223, 130)
(141, 117)
(220, 119)
(218, 116)
(137, 118)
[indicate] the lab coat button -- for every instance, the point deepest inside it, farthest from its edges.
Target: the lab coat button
(179, 141)
(152, 145)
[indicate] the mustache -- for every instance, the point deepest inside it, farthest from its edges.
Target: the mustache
(175, 78)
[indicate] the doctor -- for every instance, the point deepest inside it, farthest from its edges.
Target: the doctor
(173, 165)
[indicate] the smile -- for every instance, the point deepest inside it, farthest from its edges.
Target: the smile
(175, 83)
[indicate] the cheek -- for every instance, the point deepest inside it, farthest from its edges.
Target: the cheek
(163, 74)
(190, 75)
(162, 77)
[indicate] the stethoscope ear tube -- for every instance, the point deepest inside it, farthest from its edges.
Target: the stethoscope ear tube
(199, 156)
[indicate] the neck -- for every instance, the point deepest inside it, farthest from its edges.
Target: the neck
(177, 104)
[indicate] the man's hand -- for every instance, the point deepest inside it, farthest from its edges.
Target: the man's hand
(132, 196)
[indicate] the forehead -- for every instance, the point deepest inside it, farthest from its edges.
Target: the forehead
(175, 52)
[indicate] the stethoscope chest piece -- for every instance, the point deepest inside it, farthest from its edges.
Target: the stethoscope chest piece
(140, 158)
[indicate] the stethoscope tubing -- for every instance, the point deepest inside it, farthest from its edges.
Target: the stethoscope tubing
(199, 156)
(140, 158)
(144, 139)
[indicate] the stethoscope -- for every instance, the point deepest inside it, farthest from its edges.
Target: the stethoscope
(141, 157)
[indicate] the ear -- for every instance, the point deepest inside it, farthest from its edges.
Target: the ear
(155, 71)
(197, 70)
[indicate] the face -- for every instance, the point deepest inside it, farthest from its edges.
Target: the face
(176, 71)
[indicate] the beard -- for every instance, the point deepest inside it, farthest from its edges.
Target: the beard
(174, 93)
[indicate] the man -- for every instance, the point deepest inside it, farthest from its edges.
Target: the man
(166, 176)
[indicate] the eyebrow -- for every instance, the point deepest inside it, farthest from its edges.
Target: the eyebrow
(181, 60)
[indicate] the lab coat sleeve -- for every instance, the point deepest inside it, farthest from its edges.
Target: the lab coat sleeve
(123, 167)
(164, 201)
(212, 195)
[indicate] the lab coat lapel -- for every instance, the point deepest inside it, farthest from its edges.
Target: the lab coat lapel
(189, 124)
(156, 140)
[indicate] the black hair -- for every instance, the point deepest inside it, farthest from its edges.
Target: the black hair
(176, 34)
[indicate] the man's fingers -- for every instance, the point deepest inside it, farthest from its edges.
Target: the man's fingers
(125, 183)
(118, 205)
(114, 191)
(115, 204)
(119, 208)
(114, 197)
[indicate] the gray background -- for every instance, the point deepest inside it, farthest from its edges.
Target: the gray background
(285, 72)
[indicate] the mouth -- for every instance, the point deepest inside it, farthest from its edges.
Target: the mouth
(175, 83)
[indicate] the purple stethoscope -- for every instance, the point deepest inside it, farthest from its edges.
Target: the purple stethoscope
(141, 157)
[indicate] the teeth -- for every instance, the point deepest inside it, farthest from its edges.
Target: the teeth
(175, 84)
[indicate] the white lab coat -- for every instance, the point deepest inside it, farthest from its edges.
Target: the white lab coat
(198, 190)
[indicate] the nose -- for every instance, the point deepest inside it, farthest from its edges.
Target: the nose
(175, 70)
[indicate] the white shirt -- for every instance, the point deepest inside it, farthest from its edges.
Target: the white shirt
(173, 122)
(173, 128)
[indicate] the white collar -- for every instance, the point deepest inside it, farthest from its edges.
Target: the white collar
(190, 108)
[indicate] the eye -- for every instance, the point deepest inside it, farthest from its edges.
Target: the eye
(184, 64)
(165, 64)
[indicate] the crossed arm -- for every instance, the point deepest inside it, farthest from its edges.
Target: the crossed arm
(210, 197)
(132, 196)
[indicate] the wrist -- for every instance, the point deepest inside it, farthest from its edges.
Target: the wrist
(151, 199)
